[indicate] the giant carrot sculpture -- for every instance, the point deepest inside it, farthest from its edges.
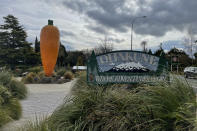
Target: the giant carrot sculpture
(49, 46)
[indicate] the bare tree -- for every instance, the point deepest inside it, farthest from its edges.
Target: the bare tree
(104, 46)
(190, 42)
(144, 44)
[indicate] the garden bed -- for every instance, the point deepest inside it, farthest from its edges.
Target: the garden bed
(164, 106)
(40, 78)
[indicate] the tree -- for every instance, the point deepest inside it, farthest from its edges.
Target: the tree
(183, 59)
(14, 49)
(195, 55)
(160, 51)
(37, 45)
(150, 52)
(73, 56)
(104, 46)
(144, 44)
(190, 43)
(80, 61)
(61, 60)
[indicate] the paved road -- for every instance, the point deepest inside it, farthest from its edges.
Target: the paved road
(42, 100)
(191, 82)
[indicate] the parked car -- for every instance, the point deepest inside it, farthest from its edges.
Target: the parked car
(190, 72)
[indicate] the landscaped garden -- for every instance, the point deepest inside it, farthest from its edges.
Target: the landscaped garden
(162, 106)
(122, 90)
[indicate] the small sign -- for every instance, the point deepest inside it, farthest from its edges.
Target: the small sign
(175, 59)
(125, 67)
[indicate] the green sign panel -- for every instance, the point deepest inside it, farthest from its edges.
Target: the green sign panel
(126, 67)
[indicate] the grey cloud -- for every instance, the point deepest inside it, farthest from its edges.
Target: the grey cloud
(115, 22)
(162, 15)
(66, 33)
(67, 44)
(76, 5)
(98, 29)
(116, 40)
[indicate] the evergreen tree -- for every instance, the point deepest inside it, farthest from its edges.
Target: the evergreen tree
(183, 59)
(195, 55)
(37, 46)
(80, 61)
(61, 56)
(160, 51)
(72, 58)
(14, 49)
(150, 52)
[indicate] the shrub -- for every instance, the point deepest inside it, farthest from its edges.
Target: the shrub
(10, 107)
(41, 74)
(35, 69)
(77, 74)
(10, 90)
(4, 117)
(18, 89)
(68, 75)
(29, 78)
(5, 95)
(80, 84)
(14, 108)
(5, 77)
(61, 71)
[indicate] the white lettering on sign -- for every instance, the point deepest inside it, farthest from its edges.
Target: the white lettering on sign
(127, 79)
(107, 61)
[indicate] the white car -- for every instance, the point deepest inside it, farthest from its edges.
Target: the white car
(190, 72)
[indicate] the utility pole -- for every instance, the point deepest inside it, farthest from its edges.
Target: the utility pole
(132, 24)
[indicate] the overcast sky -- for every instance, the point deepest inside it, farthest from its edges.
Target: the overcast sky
(84, 23)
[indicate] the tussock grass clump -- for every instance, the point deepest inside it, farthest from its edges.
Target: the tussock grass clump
(68, 75)
(41, 74)
(5, 95)
(18, 89)
(61, 71)
(37, 124)
(29, 78)
(13, 108)
(5, 77)
(10, 91)
(10, 107)
(4, 117)
(78, 74)
(163, 106)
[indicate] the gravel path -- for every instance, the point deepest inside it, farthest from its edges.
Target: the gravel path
(42, 100)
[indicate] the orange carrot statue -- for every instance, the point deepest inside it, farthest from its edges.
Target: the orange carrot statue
(49, 47)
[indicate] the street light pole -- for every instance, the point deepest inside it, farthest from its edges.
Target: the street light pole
(132, 23)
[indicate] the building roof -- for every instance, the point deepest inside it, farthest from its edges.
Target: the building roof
(79, 67)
